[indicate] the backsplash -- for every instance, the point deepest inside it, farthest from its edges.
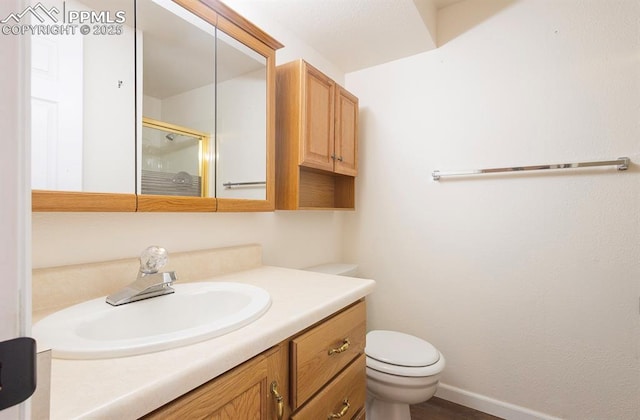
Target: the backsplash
(55, 288)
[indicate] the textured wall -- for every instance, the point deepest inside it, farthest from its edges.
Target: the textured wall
(528, 284)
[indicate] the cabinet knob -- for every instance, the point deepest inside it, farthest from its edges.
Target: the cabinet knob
(345, 408)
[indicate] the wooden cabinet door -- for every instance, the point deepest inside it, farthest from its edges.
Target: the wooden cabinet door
(242, 393)
(346, 133)
(317, 148)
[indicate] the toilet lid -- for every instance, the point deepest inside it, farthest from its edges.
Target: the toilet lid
(400, 349)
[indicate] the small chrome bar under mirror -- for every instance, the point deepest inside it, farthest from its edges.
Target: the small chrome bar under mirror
(243, 184)
(621, 163)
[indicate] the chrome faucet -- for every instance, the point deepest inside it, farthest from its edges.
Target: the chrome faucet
(150, 282)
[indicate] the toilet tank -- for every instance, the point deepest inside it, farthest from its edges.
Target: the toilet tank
(338, 269)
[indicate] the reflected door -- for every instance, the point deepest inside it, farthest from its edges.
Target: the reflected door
(56, 112)
(83, 101)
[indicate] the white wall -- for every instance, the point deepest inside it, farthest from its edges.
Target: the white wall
(528, 284)
(194, 109)
(294, 48)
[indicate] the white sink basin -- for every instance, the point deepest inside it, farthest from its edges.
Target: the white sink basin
(195, 312)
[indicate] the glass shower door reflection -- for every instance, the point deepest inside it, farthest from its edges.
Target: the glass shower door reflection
(172, 160)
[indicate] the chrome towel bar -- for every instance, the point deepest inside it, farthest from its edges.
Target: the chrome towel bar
(621, 163)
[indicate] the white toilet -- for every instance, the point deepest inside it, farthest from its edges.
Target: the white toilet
(401, 369)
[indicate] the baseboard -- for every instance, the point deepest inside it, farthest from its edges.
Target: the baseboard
(489, 405)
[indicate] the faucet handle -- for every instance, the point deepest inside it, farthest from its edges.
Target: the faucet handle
(153, 259)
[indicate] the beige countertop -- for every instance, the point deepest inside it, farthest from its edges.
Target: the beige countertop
(130, 387)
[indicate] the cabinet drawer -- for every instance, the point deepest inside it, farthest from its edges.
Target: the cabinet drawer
(348, 388)
(322, 352)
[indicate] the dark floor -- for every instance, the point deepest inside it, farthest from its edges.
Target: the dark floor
(439, 409)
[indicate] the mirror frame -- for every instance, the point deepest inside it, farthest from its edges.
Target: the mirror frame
(49, 200)
(227, 20)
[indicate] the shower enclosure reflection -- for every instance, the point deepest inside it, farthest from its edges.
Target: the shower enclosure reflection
(173, 160)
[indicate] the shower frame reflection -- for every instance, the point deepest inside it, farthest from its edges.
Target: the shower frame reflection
(178, 174)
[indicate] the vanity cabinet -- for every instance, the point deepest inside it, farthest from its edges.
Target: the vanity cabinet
(318, 373)
(317, 140)
(246, 392)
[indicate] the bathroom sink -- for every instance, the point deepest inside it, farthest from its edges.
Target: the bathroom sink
(195, 312)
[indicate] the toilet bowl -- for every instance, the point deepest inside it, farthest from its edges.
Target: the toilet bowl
(401, 370)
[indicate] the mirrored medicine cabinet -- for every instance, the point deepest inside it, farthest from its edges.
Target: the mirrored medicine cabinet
(168, 109)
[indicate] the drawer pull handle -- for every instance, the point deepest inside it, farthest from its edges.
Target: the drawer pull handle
(345, 408)
(279, 400)
(342, 348)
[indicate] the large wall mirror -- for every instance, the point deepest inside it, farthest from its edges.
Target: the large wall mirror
(198, 117)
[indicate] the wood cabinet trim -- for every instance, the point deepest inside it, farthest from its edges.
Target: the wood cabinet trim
(200, 9)
(243, 205)
(57, 201)
(288, 126)
(167, 203)
(215, 12)
(234, 17)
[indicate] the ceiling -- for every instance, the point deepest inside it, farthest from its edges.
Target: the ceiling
(355, 34)
(351, 34)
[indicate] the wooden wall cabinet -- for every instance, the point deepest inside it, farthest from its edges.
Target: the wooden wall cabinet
(326, 367)
(317, 140)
